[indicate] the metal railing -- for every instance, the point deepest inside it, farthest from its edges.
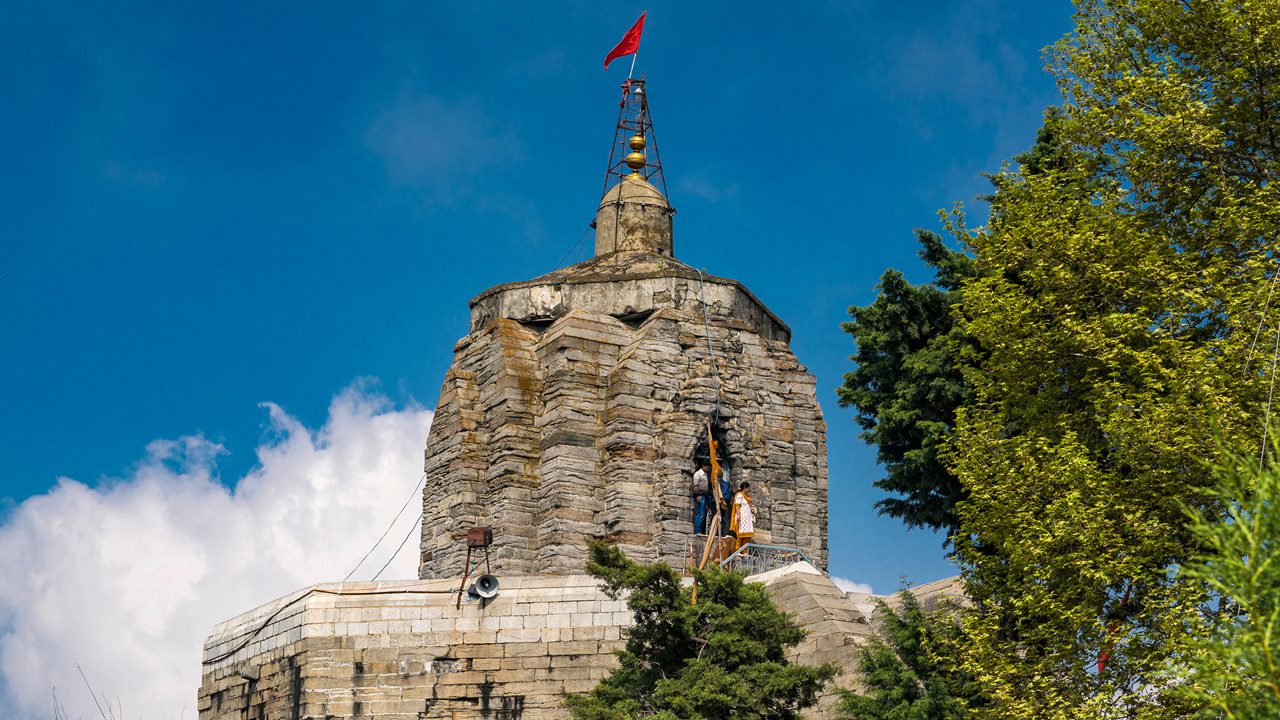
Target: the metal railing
(752, 559)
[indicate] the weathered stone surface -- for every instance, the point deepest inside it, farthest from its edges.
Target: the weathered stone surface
(628, 286)
(633, 215)
(406, 650)
(573, 409)
(834, 625)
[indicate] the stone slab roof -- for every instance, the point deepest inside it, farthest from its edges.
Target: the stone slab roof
(626, 283)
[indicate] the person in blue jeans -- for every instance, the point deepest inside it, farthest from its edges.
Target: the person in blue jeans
(701, 497)
(726, 493)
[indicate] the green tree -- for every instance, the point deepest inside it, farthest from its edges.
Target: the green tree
(911, 361)
(910, 674)
(1090, 421)
(909, 382)
(723, 657)
(1235, 668)
(1120, 294)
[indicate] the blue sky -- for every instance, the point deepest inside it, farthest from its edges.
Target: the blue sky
(212, 206)
(237, 243)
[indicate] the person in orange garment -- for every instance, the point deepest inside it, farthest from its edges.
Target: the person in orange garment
(743, 519)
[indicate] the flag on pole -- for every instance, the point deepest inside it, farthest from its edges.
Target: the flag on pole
(630, 42)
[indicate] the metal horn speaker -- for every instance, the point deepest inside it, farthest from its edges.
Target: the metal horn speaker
(486, 586)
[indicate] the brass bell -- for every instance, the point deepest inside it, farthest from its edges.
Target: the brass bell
(636, 142)
(635, 160)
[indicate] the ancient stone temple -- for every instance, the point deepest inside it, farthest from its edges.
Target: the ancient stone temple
(575, 408)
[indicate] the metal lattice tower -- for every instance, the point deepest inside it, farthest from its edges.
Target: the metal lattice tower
(633, 135)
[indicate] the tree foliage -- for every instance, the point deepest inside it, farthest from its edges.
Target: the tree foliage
(1090, 421)
(909, 674)
(911, 365)
(1122, 296)
(1122, 285)
(721, 658)
(909, 382)
(1235, 669)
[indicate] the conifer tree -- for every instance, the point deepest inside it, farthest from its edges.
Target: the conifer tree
(1234, 668)
(911, 362)
(723, 657)
(909, 382)
(908, 673)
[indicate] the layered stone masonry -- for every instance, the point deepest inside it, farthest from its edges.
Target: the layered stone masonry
(406, 651)
(554, 431)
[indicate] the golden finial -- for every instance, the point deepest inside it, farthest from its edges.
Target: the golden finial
(633, 139)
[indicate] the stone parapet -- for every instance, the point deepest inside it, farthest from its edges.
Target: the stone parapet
(407, 651)
(627, 285)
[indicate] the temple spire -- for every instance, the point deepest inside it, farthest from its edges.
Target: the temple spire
(634, 154)
(634, 215)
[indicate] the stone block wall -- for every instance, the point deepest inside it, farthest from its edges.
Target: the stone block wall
(835, 626)
(585, 426)
(405, 651)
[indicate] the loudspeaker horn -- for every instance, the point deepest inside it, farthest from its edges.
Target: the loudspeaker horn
(486, 586)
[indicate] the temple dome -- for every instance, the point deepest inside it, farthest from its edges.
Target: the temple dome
(633, 216)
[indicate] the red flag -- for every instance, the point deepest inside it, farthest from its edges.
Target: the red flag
(630, 42)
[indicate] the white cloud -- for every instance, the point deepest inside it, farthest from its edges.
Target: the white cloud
(431, 143)
(697, 185)
(848, 585)
(119, 172)
(127, 578)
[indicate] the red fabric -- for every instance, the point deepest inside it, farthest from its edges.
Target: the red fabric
(1105, 655)
(630, 42)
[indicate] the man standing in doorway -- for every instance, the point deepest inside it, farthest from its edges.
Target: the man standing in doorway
(701, 498)
(726, 496)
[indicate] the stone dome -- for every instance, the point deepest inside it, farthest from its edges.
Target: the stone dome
(633, 215)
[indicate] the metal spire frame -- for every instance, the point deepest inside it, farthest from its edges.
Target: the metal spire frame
(634, 120)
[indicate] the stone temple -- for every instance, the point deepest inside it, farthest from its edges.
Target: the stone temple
(574, 409)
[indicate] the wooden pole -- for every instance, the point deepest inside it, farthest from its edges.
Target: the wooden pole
(713, 534)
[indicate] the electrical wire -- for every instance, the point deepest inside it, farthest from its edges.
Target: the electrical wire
(382, 591)
(398, 549)
(706, 321)
(1275, 356)
(575, 246)
(1262, 319)
(412, 495)
(321, 591)
(1271, 390)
